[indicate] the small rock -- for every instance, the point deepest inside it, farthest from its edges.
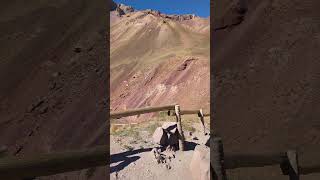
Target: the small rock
(195, 138)
(18, 150)
(35, 105)
(90, 49)
(56, 74)
(43, 110)
(52, 85)
(77, 50)
(29, 134)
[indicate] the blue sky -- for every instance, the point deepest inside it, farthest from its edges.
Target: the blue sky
(197, 7)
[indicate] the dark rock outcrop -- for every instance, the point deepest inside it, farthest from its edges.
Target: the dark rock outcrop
(122, 9)
(167, 135)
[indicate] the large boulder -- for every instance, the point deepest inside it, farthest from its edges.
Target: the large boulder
(200, 163)
(160, 137)
(166, 135)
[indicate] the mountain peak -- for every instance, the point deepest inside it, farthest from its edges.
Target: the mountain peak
(123, 9)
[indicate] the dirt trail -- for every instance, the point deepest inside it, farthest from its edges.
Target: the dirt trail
(139, 162)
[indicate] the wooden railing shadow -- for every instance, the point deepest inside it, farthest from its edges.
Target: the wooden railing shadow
(125, 158)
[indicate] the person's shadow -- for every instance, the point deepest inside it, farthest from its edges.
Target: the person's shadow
(126, 158)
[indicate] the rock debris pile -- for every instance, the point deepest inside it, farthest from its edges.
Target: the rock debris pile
(167, 137)
(164, 157)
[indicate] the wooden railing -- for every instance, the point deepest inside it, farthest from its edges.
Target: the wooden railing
(173, 110)
(60, 162)
(290, 163)
(141, 111)
(52, 163)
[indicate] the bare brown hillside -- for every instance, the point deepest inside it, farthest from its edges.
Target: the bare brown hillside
(53, 77)
(158, 59)
(266, 78)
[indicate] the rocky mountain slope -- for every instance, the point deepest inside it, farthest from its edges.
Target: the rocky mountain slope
(266, 78)
(53, 78)
(158, 59)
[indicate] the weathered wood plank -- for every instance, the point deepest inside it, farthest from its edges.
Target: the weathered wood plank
(233, 161)
(54, 163)
(140, 111)
(187, 112)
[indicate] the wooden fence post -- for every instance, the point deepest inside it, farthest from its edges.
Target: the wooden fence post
(178, 119)
(290, 165)
(217, 155)
(201, 116)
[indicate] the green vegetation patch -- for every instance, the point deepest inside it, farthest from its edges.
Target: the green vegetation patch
(125, 131)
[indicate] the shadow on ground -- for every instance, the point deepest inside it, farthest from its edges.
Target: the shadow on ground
(130, 156)
(190, 146)
(126, 158)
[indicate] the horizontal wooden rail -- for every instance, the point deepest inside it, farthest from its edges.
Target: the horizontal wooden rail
(188, 112)
(233, 161)
(54, 163)
(291, 163)
(185, 112)
(141, 111)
